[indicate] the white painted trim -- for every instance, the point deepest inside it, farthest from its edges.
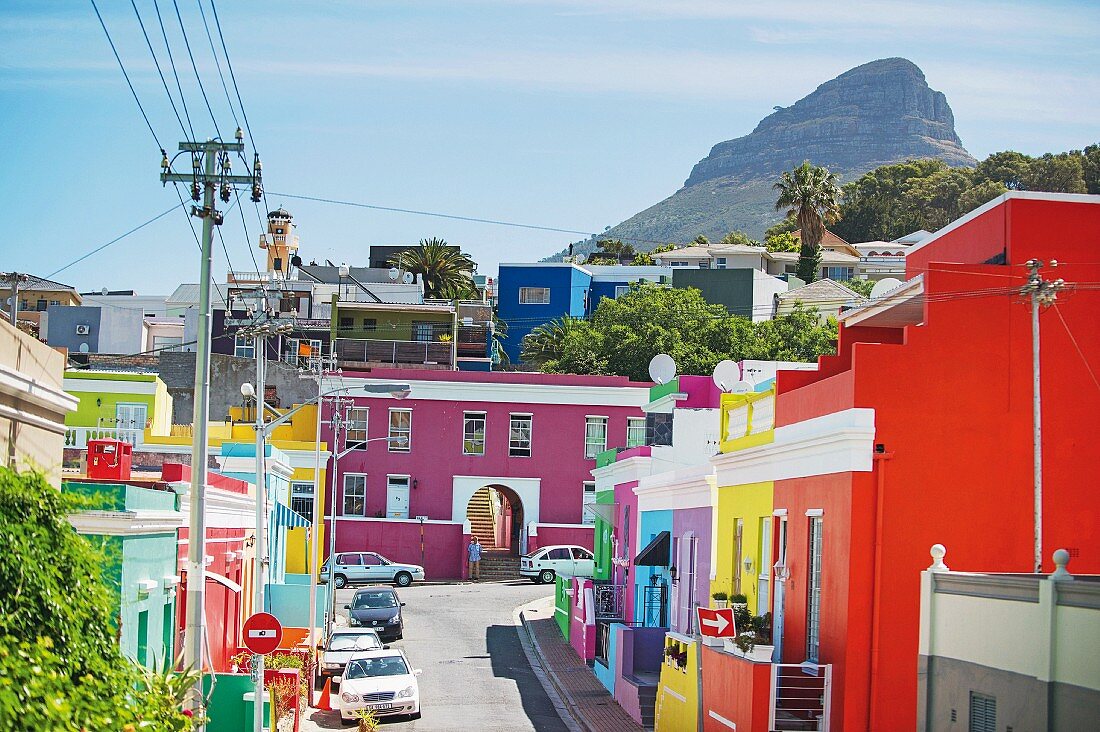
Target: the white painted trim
(673, 694)
(716, 716)
(15, 383)
(676, 489)
(623, 471)
(93, 387)
(507, 393)
(127, 523)
(779, 512)
(568, 526)
(145, 586)
(239, 464)
(24, 417)
(840, 442)
(815, 512)
(224, 509)
(665, 403)
(171, 580)
(463, 488)
(223, 580)
(1021, 195)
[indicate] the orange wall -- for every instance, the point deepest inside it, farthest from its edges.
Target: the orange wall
(737, 689)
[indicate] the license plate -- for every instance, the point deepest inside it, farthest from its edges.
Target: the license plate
(381, 706)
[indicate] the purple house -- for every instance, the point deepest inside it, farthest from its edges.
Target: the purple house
(504, 456)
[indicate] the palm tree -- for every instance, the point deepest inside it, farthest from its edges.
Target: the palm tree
(545, 342)
(445, 272)
(812, 193)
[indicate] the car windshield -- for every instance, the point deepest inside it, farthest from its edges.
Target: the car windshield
(354, 642)
(364, 668)
(381, 598)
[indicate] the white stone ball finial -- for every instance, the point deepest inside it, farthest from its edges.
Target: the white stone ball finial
(1061, 559)
(938, 552)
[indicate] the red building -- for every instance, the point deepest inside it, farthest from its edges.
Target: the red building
(945, 363)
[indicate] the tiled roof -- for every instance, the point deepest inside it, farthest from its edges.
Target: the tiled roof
(38, 283)
(819, 290)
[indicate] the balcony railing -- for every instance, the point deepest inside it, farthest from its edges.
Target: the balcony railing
(78, 436)
(395, 352)
(609, 600)
(745, 416)
(801, 697)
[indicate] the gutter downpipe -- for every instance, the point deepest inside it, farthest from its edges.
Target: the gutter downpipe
(879, 460)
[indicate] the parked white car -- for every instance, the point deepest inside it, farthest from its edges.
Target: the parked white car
(370, 567)
(543, 565)
(382, 681)
(345, 643)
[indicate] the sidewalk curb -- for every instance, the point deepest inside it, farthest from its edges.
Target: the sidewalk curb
(568, 701)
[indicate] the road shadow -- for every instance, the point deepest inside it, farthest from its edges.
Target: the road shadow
(510, 662)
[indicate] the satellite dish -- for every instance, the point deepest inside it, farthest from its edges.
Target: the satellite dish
(394, 273)
(726, 374)
(662, 369)
(883, 286)
(104, 291)
(407, 278)
(741, 387)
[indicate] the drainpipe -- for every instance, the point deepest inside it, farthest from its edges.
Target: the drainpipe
(880, 459)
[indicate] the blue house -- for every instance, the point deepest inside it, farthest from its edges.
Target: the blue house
(533, 294)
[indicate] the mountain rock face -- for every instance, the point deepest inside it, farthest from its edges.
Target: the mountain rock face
(877, 113)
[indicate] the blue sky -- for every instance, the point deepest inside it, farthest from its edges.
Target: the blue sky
(565, 113)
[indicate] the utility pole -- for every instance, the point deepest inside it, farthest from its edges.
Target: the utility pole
(210, 170)
(15, 279)
(1042, 293)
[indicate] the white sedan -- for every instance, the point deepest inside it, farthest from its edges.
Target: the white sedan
(543, 565)
(382, 681)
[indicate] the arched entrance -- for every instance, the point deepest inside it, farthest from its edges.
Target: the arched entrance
(496, 517)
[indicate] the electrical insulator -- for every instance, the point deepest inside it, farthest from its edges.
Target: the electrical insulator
(196, 191)
(256, 164)
(164, 160)
(225, 192)
(257, 193)
(240, 134)
(218, 218)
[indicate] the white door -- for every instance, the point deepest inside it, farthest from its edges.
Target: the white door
(130, 417)
(397, 497)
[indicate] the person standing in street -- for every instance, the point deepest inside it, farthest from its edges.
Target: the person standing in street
(473, 554)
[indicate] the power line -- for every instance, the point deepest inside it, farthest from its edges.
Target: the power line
(195, 68)
(1077, 347)
(126, 76)
(217, 64)
(118, 238)
(156, 62)
(175, 71)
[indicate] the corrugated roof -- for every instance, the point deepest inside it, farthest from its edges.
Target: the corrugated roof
(819, 290)
(34, 282)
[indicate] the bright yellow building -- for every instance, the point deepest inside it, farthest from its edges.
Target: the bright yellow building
(677, 706)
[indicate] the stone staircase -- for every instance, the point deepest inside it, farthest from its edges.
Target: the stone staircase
(482, 525)
(499, 565)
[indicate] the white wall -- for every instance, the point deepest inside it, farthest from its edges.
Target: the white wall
(764, 289)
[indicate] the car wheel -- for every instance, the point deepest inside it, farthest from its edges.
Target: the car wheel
(403, 579)
(341, 581)
(546, 576)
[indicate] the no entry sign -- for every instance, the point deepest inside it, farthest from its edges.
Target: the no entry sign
(262, 633)
(716, 623)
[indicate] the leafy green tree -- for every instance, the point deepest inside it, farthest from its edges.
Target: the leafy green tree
(875, 207)
(1090, 164)
(799, 336)
(700, 241)
(642, 259)
(979, 195)
(783, 242)
(60, 665)
(447, 273)
(1009, 168)
(812, 193)
(1063, 173)
(737, 238)
(862, 287)
(547, 341)
(934, 200)
(788, 224)
(612, 251)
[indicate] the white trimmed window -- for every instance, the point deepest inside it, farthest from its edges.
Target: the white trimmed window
(519, 435)
(355, 494)
(595, 436)
(357, 428)
(813, 593)
(589, 497)
(719, 262)
(635, 431)
(301, 499)
(534, 296)
(621, 290)
(401, 423)
(473, 433)
(244, 347)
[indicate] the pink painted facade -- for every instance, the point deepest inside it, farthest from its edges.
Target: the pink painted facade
(546, 488)
(582, 628)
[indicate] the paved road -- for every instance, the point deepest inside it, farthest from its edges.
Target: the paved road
(476, 675)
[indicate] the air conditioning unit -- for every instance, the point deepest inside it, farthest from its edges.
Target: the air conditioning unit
(83, 329)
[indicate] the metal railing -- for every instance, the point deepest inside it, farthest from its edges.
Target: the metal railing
(78, 436)
(609, 600)
(395, 352)
(801, 697)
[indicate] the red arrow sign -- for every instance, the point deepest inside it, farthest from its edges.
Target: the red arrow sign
(262, 633)
(717, 623)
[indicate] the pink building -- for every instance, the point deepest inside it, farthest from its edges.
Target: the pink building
(504, 456)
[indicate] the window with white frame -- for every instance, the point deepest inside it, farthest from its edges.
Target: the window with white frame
(813, 592)
(473, 433)
(244, 347)
(595, 436)
(719, 262)
(356, 435)
(303, 352)
(301, 499)
(519, 435)
(534, 296)
(400, 433)
(589, 497)
(635, 431)
(355, 494)
(621, 290)
(838, 274)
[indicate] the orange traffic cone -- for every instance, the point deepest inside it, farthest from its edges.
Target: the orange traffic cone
(325, 702)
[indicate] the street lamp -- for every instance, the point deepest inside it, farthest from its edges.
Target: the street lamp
(263, 429)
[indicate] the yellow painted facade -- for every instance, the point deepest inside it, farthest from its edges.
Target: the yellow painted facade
(677, 705)
(750, 504)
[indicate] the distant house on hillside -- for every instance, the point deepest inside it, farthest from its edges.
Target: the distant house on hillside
(827, 296)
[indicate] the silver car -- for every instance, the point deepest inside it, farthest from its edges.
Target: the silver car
(370, 568)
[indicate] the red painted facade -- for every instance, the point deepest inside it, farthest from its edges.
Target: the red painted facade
(952, 399)
(735, 689)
